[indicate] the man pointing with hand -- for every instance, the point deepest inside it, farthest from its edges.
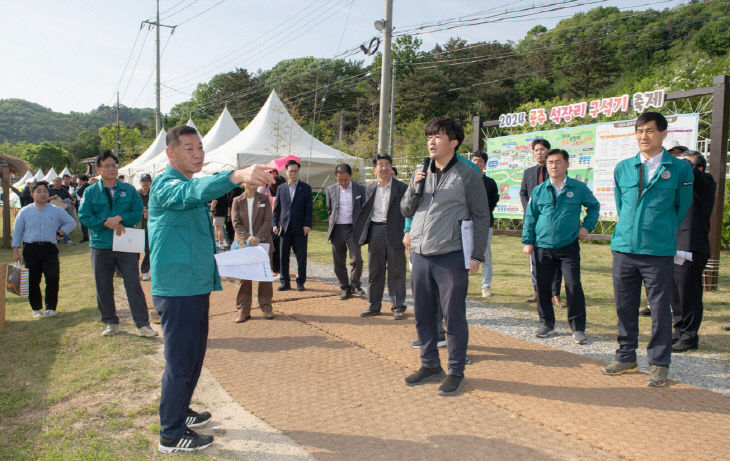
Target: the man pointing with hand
(182, 248)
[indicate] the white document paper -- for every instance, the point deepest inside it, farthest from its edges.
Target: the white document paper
(250, 263)
(131, 241)
(467, 241)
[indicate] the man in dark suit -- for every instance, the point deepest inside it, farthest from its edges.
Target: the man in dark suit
(692, 239)
(381, 225)
(293, 221)
(344, 202)
(531, 178)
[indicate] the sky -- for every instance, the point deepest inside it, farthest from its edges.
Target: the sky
(74, 55)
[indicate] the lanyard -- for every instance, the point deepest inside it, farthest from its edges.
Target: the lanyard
(109, 197)
(641, 181)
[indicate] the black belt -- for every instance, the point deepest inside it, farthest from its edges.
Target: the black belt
(378, 223)
(39, 243)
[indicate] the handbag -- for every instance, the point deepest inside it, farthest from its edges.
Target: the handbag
(17, 280)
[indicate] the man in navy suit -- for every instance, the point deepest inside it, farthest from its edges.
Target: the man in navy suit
(293, 221)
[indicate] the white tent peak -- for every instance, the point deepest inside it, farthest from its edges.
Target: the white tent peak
(51, 175)
(191, 124)
(39, 175)
(157, 146)
(273, 133)
(21, 182)
(65, 172)
(223, 130)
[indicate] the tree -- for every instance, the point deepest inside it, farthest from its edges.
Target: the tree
(47, 155)
(130, 141)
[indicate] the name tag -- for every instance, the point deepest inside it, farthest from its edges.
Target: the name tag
(262, 205)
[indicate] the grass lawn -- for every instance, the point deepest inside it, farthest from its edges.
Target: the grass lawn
(511, 286)
(66, 392)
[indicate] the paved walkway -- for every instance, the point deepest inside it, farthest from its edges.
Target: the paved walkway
(333, 382)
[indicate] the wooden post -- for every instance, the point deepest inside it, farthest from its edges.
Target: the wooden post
(5, 174)
(717, 168)
(477, 140)
(3, 279)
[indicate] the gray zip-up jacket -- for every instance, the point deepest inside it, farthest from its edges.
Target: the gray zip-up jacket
(437, 215)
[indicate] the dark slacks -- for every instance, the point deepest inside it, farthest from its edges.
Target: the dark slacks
(440, 315)
(441, 279)
(184, 322)
(298, 241)
(103, 263)
(380, 256)
(629, 270)
(556, 281)
(42, 260)
(146, 260)
(687, 308)
(565, 260)
(276, 260)
(343, 241)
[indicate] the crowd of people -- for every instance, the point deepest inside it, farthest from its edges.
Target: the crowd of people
(441, 221)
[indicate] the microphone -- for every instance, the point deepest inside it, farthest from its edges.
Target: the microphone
(419, 187)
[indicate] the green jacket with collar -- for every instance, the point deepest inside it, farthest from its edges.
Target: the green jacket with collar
(182, 243)
(96, 207)
(648, 224)
(552, 220)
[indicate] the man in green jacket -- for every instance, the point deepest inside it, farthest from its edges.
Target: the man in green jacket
(653, 191)
(182, 248)
(551, 230)
(108, 207)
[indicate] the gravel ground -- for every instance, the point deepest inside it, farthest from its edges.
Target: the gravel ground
(708, 370)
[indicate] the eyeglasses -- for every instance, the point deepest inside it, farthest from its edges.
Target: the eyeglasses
(109, 166)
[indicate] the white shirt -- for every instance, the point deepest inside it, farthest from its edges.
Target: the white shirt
(344, 206)
(292, 190)
(651, 165)
(250, 217)
(559, 187)
(380, 204)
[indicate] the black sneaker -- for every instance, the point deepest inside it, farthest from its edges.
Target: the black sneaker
(188, 442)
(425, 375)
(646, 312)
(344, 294)
(195, 419)
(359, 292)
(452, 385)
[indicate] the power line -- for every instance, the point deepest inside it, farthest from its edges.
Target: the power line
(201, 13)
(131, 74)
(126, 65)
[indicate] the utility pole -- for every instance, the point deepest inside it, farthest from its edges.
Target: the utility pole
(385, 78)
(392, 107)
(119, 142)
(158, 119)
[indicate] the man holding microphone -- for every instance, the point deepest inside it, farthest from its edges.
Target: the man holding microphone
(452, 193)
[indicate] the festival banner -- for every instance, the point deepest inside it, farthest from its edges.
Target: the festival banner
(594, 151)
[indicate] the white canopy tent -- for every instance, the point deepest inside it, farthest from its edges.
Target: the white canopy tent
(51, 175)
(192, 125)
(157, 146)
(223, 130)
(273, 133)
(39, 175)
(21, 183)
(65, 172)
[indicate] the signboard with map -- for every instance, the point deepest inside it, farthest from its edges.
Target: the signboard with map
(594, 152)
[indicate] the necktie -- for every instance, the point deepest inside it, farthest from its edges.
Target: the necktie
(541, 175)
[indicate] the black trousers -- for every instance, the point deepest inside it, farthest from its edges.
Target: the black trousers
(42, 260)
(441, 281)
(565, 261)
(687, 305)
(146, 260)
(185, 332)
(556, 281)
(342, 241)
(276, 259)
(298, 241)
(629, 270)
